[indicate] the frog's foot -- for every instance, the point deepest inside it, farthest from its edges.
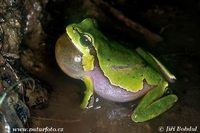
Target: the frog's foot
(88, 92)
(152, 105)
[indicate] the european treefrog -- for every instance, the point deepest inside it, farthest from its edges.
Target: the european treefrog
(113, 71)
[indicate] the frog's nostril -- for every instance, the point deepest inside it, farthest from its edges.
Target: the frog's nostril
(68, 57)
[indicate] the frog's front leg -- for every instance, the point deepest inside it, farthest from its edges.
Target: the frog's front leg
(153, 104)
(88, 92)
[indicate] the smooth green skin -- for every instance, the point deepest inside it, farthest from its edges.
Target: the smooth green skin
(124, 68)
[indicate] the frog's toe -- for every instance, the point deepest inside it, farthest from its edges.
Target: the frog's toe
(138, 116)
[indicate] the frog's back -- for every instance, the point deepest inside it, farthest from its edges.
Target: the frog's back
(125, 68)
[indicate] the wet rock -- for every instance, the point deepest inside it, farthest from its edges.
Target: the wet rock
(10, 27)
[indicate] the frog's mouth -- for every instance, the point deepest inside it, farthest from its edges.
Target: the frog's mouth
(68, 57)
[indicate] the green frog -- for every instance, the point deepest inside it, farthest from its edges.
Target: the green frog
(113, 71)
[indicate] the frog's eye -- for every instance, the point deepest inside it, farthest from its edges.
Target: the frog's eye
(86, 40)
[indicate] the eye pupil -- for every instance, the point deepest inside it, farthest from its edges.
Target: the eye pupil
(86, 40)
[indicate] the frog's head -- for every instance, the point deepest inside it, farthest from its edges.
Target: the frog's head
(82, 35)
(75, 44)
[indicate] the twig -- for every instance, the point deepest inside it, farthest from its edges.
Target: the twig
(150, 36)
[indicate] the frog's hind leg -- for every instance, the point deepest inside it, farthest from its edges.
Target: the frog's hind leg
(156, 64)
(152, 105)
